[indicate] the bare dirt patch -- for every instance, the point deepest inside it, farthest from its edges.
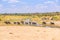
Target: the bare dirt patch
(28, 33)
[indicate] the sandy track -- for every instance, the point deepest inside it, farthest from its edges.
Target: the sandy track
(29, 33)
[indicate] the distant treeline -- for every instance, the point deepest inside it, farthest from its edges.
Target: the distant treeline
(30, 14)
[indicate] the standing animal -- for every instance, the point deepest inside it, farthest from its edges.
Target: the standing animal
(22, 22)
(17, 23)
(43, 22)
(7, 22)
(51, 22)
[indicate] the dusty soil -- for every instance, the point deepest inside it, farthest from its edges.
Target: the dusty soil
(28, 33)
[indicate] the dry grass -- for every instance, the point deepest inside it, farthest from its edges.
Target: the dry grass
(28, 33)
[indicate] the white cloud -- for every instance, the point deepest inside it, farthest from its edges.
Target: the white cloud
(1, 5)
(14, 1)
(56, 0)
(52, 3)
(1, 8)
(23, 9)
(48, 6)
(11, 1)
(49, 2)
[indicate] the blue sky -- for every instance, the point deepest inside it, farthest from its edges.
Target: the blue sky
(29, 6)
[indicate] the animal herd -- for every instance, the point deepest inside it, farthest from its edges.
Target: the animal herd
(8, 22)
(22, 22)
(27, 23)
(50, 23)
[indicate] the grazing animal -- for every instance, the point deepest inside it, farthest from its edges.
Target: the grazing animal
(26, 22)
(16, 22)
(7, 22)
(51, 22)
(34, 23)
(43, 22)
(29, 22)
(22, 22)
(51, 18)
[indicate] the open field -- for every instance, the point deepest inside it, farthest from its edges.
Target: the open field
(35, 26)
(33, 19)
(29, 33)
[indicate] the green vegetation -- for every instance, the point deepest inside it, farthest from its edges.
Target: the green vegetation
(32, 16)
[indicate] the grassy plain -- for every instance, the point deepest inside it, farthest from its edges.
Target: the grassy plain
(37, 17)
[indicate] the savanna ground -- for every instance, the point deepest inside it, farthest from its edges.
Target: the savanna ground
(34, 17)
(26, 32)
(29, 33)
